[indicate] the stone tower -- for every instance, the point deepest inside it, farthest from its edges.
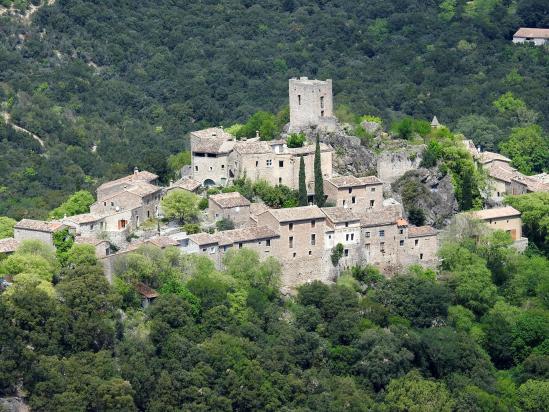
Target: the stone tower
(311, 104)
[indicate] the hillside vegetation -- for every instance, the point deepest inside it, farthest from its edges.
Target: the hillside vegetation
(109, 85)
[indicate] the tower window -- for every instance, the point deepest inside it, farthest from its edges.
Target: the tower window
(322, 102)
(299, 99)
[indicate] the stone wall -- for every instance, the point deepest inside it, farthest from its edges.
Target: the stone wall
(310, 100)
(392, 165)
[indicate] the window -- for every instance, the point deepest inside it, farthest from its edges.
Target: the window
(347, 237)
(313, 223)
(148, 213)
(401, 231)
(104, 203)
(366, 234)
(291, 226)
(346, 252)
(381, 233)
(211, 168)
(268, 242)
(91, 226)
(353, 200)
(281, 163)
(352, 236)
(346, 224)
(402, 243)
(291, 242)
(269, 163)
(112, 203)
(344, 203)
(416, 242)
(203, 249)
(223, 166)
(256, 163)
(350, 190)
(322, 102)
(279, 180)
(382, 247)
(421, 256)
(329, 236)
(372, 203)
(310, 253)
(373, 189)
(240, 245)
(322, 113)
(196, 168)
(294, 254)
(299, 99)
(313, 239)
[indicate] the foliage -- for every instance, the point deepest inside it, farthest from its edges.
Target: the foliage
(6, 226)
(296, 140)
(303, 201)
(76, 204)
(408, 127)
(178, 160)
(262, 122)
(337, 254)
(319, 180)
(181, 205)
(416, 216)
(528, 148)
(224, 224)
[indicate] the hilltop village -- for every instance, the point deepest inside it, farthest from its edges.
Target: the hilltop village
(353, 224)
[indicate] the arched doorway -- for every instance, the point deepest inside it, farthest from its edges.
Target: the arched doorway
(208, 183)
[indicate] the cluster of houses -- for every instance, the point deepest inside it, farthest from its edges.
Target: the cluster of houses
(360, 224)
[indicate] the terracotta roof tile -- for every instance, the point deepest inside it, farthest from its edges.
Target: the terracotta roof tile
(293, 214)
(495, 213)
(340, 214)
(229, 200)
(532, 33)
(487, 157)
(146, 291)
(39, 225)
(185, 183)
(8, 245)
(352, 181)
(421, 231)
(245, 235)
(212, 133)
(84, 218)
(386, 216)
(144, 176)
(202, 239)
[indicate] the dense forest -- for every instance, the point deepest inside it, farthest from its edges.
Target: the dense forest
(474, 338)
(109, 85)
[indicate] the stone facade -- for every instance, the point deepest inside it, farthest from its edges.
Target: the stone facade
(506, 218)
(210, 150)
(311, 104)
(538, 37)
(277, 164)
(28, 229)
(231, 206)
(114, 186)
(358, 193)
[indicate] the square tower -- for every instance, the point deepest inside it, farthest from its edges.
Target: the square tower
(311, 104)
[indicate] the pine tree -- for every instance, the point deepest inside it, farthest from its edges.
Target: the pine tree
(319, 181)
(302, 185)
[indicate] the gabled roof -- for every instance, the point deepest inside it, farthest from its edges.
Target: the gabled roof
(487, 157)
(528, 32)
(216, 133)
(185, 183)
(372, 218)
(229, 200)
(352, 181)
(8, 245)
(496, 213)
(504, 173)
(340, 214)
(245, 235)
(294, 214)
(214, 146)
(142, 188)
(144, 176)
(434, 122)
(84, 218)
(203, 239)
(39, 225)
(421, 231)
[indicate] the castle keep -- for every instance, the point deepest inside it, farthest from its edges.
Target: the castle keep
(311, 104)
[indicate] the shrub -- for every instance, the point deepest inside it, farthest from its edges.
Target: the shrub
(296, 140)
(224, 224)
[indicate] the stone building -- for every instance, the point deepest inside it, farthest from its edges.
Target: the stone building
(210, 150)
(28, 229)
(185, 183)
(231, 206)
(358, 193)
(538, 37)
(300, 248)
(276, 163)
(311, 104)
(505, 218)
(102, 247)
(421, 246)
(8, 246)
(343, 226)
(114, 186)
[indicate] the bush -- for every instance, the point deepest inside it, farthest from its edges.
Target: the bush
(296, 140)
(224, 224)
(191, 228)
(416, 216)
(203, 204)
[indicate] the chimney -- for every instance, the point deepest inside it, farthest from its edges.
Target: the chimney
(135, 170)
(257, 133)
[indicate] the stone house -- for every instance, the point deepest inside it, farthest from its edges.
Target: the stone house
(114, 186)
(276, 163)
(300, 248)
(139, 197)
(86, 224)
(28, 229)
(522, 184)
(102, 246)
(381, 237)
(210, 150)
(147, 294)
(231, 206)
(358, 193)
(505, 218)
(185, 183)
(343, 226)
(311, 104)
(538, 37)
(262, 239)
(421, 246)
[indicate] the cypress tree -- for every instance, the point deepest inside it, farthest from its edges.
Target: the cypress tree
(467, 191)
(302, 185)
(319, 181)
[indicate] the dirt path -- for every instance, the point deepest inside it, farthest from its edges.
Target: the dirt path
(7, 118)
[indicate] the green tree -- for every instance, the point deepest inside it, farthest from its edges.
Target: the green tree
(76, 204)
(319, 180)
(181, 205)
(302, 185)
(534, 208)
(296, 140)
(6, 226)
(528, 148)
(177, 161)
(466, 198)
(413, 393)
(224, 224)
(534, 395)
